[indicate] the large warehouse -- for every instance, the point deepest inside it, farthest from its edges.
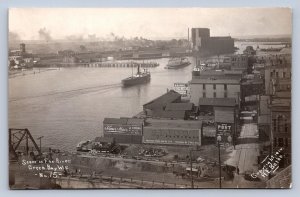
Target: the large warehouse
(176, 132)
(124, 130)
(205, 44)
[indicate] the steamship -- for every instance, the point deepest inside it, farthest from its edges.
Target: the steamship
(177, 63)
(138, 78)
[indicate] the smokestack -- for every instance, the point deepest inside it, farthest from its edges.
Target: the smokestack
(188, 34)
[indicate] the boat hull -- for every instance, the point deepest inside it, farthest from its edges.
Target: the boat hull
(178, 65)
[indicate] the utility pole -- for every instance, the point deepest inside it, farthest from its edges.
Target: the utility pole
(220, 172)
(191, 171)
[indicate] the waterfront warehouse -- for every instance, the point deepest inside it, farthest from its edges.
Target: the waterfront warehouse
(174, 132)
(124, 130)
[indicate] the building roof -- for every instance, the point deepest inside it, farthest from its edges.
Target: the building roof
(115, 121)
(226, 102)
(104, 139)
(224, 114)
(179, 106)
(163, 100)
(135, 121)
(214, 80)
(188, 124)
(220, 74)
(168, 114)
(255, 81)
(123, 121)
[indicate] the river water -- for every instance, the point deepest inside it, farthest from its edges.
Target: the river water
(68, 105)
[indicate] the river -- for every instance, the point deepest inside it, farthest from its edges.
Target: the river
(69, 105)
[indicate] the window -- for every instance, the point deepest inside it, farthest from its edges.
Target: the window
(204, 88)
(277, 74)
(225, 94)
(214, 86)
(215, 95)
(225, 86)
(283, 74)
(204, 95)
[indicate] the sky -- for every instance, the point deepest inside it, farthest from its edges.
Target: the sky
(151, 23)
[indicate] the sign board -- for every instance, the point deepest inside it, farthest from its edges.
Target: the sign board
(182, 88)
(123, 129)
(225, 130)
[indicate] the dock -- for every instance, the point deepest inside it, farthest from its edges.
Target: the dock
(111, 64)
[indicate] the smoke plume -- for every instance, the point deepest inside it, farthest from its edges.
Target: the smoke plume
(44, 34)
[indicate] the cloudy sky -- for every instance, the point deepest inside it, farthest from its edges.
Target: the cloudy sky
(42, 23)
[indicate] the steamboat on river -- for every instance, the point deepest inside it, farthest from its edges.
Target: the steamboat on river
(138, 78)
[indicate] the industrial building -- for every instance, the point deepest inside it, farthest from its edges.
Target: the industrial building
(160, 103)
(173, 132)
(214, 88)
(203, 43)
(124, 130)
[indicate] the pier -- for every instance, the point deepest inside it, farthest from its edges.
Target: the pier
(111, 64)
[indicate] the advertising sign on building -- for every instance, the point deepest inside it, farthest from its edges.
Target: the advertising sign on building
(182, 88)
(225, 130)
(123, 129)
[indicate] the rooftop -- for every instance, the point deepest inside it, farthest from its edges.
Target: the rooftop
(225, 102)
(214, 80)
(114, 121)
(224, 114)
(123, 121)
(179, 106)
(192, 124)
(168, 114)
(164, 99)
